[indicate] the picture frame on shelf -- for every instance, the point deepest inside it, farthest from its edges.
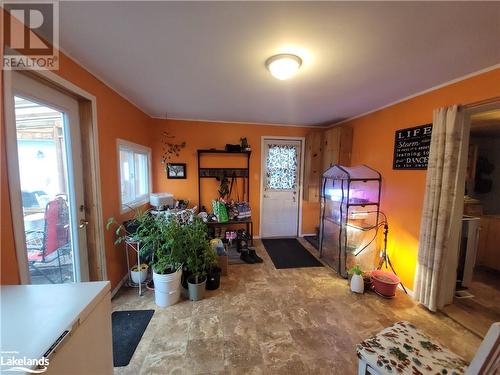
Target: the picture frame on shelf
(176, 171)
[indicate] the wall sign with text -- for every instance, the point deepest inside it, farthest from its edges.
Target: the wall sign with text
(411, 147)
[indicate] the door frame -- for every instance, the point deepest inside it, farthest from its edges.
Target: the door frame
(449, 278)
(54, 80)
(302, 141)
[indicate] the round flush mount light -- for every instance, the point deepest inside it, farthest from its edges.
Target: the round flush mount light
(283, 66)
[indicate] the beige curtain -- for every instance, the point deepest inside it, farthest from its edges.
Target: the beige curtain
(443, 204)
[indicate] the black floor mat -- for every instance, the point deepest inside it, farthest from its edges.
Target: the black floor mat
(128, 328)
(313, 240)
(289, 253)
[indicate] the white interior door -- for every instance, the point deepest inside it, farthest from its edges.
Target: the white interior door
(46, 183)
(281, 176)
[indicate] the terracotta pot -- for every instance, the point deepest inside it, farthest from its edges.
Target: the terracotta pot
(385, 283)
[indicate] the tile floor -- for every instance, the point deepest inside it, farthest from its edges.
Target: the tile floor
(268, 321)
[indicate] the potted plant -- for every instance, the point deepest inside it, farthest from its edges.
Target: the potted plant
(214, 270)
(167, 262)
(357, 283)
(199, 256)
(213, 277)
(139, 274)
(140, 228)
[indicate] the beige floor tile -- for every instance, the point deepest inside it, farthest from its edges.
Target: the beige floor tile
(268, 321)
(278, 347)
(242, 352)
(206, 326)
(242, 324)
(205, 355)
(290, 367)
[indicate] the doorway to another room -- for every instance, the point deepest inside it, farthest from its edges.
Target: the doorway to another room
(477, 298)
(282, 163)
(46, 182)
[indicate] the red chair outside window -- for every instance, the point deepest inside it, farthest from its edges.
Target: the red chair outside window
(48, 246)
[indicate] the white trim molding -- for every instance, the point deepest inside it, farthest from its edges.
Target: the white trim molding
(139, 149)
(224, 122)
(448, 83)
(120, 284)
(409, 291)
(58, 81)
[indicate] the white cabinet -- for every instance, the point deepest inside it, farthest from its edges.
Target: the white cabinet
(70, 323)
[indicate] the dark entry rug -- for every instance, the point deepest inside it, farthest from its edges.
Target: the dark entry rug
(289, 253)
(313, 240)
(128, 328)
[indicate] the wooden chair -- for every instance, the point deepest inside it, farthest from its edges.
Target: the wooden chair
(403, 349)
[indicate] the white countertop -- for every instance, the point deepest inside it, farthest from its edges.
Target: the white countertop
(34, 316)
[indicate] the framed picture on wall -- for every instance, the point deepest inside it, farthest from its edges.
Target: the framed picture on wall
(176, 170)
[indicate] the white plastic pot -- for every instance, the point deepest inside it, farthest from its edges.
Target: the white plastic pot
(357, 284)
(139, 276)
(167, 288)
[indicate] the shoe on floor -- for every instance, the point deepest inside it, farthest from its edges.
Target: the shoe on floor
(245, 257)
(253, 254)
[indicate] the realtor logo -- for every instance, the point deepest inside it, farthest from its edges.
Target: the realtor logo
(11, 362)
(31, 35)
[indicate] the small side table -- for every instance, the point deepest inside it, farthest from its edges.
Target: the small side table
(131, 244)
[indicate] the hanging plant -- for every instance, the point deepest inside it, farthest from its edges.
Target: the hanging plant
(170, 148)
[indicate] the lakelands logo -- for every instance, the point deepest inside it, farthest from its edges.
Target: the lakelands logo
(31, 35)
(11, 362)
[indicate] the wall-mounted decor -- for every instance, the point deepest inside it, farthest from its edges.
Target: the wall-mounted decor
(411, 147)
(176, 170)
(170, 149)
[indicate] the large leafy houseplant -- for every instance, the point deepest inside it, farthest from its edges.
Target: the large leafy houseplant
(197, 252)
(168, 254)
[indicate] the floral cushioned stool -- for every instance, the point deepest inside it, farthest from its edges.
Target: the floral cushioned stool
(403, 349)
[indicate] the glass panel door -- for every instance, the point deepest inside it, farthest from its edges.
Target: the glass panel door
(44, 190)
(50, 182)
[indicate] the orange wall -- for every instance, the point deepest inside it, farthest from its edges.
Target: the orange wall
(117, 118)
(403, 191)
(204, 135)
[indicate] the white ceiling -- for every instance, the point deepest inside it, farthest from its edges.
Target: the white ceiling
(205, 60)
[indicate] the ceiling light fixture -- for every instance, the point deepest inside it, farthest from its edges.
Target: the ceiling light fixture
(283, 66)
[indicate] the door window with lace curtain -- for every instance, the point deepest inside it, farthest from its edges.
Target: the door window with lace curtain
(281, 167)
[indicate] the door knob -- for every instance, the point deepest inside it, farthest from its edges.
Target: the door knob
(83, 223)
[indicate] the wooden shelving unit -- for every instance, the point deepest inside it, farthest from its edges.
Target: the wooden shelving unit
(229, 172)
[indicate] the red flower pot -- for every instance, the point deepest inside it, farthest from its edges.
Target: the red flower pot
(385, 283)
